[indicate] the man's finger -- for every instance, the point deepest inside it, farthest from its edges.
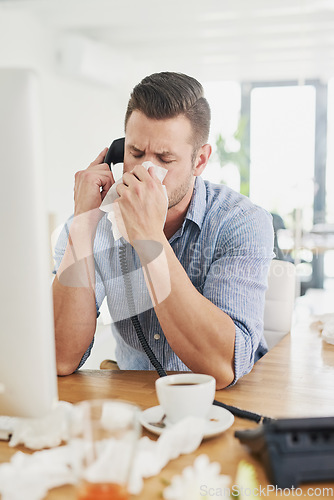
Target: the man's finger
(107, 185)
(140, 172)
(100, 158)
(153, 174)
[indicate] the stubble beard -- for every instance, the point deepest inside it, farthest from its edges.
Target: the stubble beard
(179, 193)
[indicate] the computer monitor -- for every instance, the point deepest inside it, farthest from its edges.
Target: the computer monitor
(28, 380)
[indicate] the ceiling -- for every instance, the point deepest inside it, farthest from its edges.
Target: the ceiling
(211, 39)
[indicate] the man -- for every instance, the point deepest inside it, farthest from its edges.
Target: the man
(216, 245)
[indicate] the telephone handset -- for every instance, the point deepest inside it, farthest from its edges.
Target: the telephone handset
(115, 152)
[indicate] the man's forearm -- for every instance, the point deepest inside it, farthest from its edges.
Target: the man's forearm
(200, 333)
(74, 299)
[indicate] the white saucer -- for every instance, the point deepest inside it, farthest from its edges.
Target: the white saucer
(219, 420)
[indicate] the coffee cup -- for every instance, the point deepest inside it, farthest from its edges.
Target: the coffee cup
(185, 394)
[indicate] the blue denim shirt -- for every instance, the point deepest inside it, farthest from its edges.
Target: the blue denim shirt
(225, 245)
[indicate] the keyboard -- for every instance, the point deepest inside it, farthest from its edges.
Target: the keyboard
(6, 427)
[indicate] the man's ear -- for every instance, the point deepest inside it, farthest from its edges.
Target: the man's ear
(202, 159)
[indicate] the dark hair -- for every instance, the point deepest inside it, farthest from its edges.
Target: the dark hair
(167, 95)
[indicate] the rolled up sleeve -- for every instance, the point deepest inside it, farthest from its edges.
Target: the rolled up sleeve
(237, 282)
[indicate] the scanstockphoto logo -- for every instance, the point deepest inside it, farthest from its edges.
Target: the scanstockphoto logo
(243, 262)
(238, 492)
(140, 282)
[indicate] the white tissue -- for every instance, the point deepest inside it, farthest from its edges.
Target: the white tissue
(35, 474)
(31, 476)
(152, 456)
(111, 451)
(45, 432)
(324, 323)
(194, 482)
(111, 196)
(319, 320)
(328, 332)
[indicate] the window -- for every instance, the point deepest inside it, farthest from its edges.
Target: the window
(225, 101)
(282, 142)
(330, 155)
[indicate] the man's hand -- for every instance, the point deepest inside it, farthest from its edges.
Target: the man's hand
(91, 186)
(74, 285)
(141, 207)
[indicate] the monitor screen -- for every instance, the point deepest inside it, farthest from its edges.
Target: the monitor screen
(28, 381)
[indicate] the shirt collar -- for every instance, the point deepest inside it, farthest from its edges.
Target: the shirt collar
(197, 207)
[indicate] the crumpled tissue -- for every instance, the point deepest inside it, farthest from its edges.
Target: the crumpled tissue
(34, 433)
(37, 473)
(324, 323)
(182, 438)
(31, 476)
(328, 332)
(111, 196)
(198, 481)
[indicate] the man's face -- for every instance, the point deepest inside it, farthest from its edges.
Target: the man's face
(166, 143)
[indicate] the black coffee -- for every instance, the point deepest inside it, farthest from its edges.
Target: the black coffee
(185, 383)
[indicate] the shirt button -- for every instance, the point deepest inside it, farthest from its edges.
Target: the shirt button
(156, 336)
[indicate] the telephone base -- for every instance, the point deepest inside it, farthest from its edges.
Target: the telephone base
(294, 451)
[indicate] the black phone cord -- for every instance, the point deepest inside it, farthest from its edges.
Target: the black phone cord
(237, 412)
(133, 316)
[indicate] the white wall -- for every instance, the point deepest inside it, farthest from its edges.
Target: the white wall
(80, 117)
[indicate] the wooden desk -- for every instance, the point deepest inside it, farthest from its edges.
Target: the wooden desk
(296, 378)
